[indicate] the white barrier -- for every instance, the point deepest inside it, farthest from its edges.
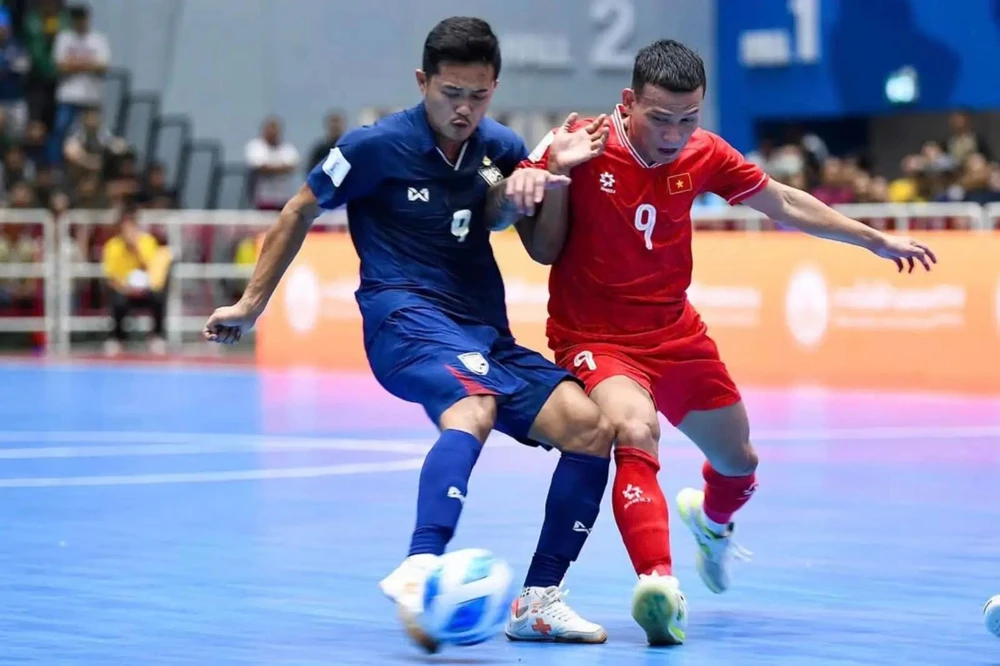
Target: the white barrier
(181, 231)
(43, 269)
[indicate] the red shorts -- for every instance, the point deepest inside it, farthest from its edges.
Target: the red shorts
(682, 373)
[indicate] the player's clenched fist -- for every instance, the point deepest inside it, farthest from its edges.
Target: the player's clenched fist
(572, 147)
(526, 188)
(228, 324)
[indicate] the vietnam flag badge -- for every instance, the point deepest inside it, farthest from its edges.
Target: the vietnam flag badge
(679, 183)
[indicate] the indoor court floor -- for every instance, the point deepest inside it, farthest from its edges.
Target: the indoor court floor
(168, 514)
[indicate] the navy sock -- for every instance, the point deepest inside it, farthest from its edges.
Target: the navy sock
(570, 513)
(444, 483)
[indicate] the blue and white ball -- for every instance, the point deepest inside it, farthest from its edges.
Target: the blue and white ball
(991, 614)
(467, 597)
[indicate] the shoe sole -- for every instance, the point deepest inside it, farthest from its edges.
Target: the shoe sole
(415, 632)
(596, 639)
(687, 517)
(653, 609)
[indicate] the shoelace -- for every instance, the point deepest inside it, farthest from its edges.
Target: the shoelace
(555, 607)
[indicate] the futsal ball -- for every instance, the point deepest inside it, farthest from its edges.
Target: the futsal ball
(467, 597)
(991, 613)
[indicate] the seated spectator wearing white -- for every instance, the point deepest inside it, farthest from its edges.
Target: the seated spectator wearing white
(137, 270)
(82, 56)
(272, 163)
(14, 67)
(89, 146)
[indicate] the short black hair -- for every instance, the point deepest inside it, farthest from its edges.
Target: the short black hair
(78, 12)
(670, 65)
(463, 40)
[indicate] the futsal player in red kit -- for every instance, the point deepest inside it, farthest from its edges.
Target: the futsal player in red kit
(619, 242)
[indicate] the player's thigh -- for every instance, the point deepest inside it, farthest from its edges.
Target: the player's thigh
(619, 384)
(421, 356)
(630, 408)
(552, 410)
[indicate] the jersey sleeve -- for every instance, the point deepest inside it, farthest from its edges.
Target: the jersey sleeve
(539, 156)
(514, 153)
(352, 169)
(733, 177)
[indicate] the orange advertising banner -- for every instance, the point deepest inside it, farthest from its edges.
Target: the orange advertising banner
(784, 308)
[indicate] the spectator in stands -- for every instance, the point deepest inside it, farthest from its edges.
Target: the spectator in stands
(19, 244)
(156, 192)
(975, 181)
(835, 185)
(272, 163)
(136, 269)
(42, 23)
(34, 144)
(909, 188)
(90, 146)
(335, 126)
(14, 67)
(15, 167)
(82, 56)
(964, 140)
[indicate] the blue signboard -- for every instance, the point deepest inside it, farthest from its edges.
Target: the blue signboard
(837, 58)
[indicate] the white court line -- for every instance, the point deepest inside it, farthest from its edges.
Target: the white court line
(210, 447)
(212, 440)
(201, 443)
(213, 477)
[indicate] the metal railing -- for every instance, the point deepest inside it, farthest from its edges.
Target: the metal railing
(39, 268)
(201, 243)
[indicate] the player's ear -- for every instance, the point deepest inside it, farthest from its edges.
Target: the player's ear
(422, 80)
(628, 98)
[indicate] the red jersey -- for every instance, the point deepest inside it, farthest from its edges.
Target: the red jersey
(627, 263)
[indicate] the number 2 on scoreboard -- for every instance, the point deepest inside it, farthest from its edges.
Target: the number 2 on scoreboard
(645, 221)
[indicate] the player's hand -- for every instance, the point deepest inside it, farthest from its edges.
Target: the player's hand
(526, 188)
(904, 251)
(572, 148)
(228, 324)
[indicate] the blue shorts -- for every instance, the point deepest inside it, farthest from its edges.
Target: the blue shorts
(422, 355)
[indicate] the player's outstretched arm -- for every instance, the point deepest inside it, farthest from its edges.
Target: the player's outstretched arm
(282, 242)
(808, 214)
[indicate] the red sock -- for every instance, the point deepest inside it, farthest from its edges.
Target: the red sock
(725, 495)
(641, 511)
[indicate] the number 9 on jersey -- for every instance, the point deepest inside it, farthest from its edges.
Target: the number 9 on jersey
(460, 224)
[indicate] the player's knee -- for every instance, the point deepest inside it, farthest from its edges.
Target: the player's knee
(638, 434)
(739, 461)
(593, 435)
(476, 415)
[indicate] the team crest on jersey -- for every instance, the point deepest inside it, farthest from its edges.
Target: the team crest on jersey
(490, 173)
(475, 362)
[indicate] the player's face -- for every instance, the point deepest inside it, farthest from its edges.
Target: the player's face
(660, 121)
(457, 97)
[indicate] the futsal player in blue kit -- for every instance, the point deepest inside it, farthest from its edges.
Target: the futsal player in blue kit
(423, 189)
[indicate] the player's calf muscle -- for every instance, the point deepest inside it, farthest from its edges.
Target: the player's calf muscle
(475, 415)
(723, 435)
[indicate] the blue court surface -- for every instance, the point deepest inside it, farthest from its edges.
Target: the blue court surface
(176, 515)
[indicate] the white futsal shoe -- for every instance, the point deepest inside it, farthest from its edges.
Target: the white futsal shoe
(715, 551)
(660, 608)
(541, 615)
(405, 587)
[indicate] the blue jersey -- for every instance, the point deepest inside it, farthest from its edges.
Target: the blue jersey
(416, 219)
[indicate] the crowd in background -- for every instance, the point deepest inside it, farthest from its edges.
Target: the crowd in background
(59, 151)
(954, 167)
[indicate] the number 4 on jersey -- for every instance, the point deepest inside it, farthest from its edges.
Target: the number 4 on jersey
(460, 224)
